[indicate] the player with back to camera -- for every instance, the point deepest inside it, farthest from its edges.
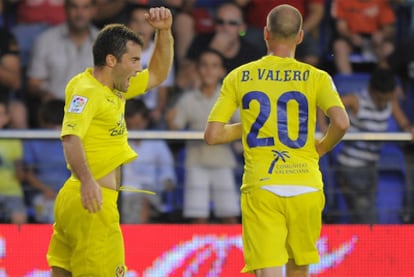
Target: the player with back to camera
(282, 192)
(87, 239)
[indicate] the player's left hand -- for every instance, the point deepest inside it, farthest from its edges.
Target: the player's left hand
(159, 18)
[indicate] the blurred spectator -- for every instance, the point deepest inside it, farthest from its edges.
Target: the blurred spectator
(18, 114)
(190, 19)
(3, 16)
(403, 10)
(153, 170)
(60, 53)
(12, 206)
(155, 99)
(401, 61)
(110, 11)
(33, 17)
(312, 12)
(10, 74)
(10, 80)
(184, 26)
(363, 27)
(226, 39)
(357, 171)
(45, 163)
(209, 170)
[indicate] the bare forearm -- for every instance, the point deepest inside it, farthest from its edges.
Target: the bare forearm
(331, 138)
(232, 132)
(219, 133)
(339, 124)
(162, 57)
(76, 158)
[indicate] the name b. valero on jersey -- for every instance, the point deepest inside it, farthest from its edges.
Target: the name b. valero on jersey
(274, 75)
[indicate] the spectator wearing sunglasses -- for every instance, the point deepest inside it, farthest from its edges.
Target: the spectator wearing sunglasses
(227, 39)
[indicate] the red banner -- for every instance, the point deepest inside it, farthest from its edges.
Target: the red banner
(216, 250)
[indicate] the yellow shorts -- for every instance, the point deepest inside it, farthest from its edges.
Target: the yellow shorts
(86, 244)
(277, 228)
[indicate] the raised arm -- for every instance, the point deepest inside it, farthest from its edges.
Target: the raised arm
(162, 57)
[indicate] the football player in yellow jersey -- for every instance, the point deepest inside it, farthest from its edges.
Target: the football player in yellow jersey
(87, 239)
(282, 192)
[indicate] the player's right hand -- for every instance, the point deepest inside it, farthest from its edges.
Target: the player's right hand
(91, 196)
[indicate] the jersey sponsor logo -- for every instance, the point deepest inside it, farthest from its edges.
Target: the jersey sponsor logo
(278, 155)
(120, 271)
(78, 103)
(119, 129)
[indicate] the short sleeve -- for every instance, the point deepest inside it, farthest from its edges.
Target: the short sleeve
(138, 84)
(327, 96)
(226, 103)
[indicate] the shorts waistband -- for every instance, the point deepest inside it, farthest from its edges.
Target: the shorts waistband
(107, 193)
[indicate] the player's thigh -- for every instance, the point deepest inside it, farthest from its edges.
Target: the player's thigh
(225, 193)
(304, 215)
(93, 243)
(101, 252)
(264, 229)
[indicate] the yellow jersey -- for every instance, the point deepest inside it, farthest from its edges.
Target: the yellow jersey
(95, 114)
(278, 99)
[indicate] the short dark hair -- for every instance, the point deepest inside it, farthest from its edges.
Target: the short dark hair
(136, 106)
(112, 40)
(383, 80)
